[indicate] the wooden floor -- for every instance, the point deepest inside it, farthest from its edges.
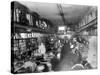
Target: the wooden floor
(67, 59)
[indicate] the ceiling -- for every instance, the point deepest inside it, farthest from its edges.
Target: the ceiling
(72, 13)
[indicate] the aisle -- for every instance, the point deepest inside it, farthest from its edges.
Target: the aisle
(67, 59)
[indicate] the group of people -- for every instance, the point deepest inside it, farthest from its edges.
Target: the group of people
(61, 52)
(80, 47)
(37, 60)
(74, 54)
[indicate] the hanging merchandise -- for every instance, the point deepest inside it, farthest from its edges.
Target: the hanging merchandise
(29, 18)
(35, 18)
(19, 13)
(22, 45)
(43, 24)
(14, 15)
(23, 19)
(15, 45)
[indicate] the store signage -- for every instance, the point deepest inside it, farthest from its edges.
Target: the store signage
(61, 29)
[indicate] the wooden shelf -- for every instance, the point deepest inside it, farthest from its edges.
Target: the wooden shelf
(84, 27)
(25, 28)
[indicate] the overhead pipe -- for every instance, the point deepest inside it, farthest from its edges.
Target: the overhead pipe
(61, 13)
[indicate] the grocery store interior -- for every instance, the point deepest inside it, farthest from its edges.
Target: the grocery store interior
(49, 37)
